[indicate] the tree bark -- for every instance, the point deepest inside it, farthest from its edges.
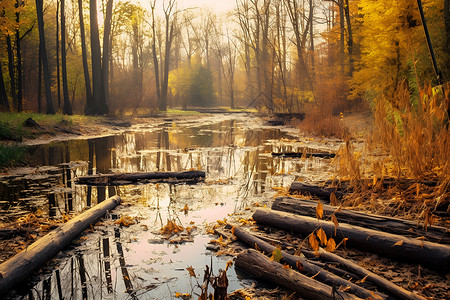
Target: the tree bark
(313, 190)
(23, 264)
(261, 267)
(127, 178)
(349, 38)
(47, 78)
(97, 107)
(371, 277)
(19, 60)
(303, 265)
(67, 109)
(306, 154)
(4, 104)
(11, 70)
(106, 51)
(87, 80)
(384, 223)
(58, 75)
(399, 247)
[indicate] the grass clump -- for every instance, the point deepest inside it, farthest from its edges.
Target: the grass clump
(11, 155)
(410, 143)
(319, 122)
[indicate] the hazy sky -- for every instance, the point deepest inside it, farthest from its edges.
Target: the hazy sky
(214, 5)
(217, 6)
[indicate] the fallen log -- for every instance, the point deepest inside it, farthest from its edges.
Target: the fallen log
(128, 178)
(306, 154)
(427, 254)
(322, 193)
(303, 265)
(371, 277)
(22, 265)
(258, 265)
(306, 207)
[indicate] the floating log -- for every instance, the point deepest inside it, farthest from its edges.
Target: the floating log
(427, 254)
(306, 207)
(258, 265)
(128, 178)
(371, 277)
(303, 265)
(322, 193)
(22, 265)
(306, 154)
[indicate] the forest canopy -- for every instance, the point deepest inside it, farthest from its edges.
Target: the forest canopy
(99, 57)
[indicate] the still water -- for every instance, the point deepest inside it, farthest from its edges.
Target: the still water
(112, 262)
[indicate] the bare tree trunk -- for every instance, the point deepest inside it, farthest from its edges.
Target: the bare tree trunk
(87, 80)
(47, 79)
(4, 104)
(58, 76)
(12, 73)
(19, 60)
(98, 106)
(106, 51)
(349, 38)
(155, 55)
(39, 96)
(67, 109)
(342, 34)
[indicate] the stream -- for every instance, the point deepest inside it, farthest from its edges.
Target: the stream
(136, 262)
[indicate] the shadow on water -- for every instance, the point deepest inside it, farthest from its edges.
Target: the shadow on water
(135, 262)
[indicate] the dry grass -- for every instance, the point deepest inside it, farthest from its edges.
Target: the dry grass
(410, 143)
(321, 122)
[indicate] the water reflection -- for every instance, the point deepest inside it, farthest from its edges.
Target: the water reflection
(125, 263)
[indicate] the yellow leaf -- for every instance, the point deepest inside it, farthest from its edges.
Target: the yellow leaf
(322, 236)
(319, 210)
(229, 264)
(313, 242)
(276, 255)
(285, 266)
(333, 199)
(335, 222)
(399, 243)
(191, 271)
(331, 245)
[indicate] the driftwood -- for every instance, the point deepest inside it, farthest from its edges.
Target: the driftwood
(391, 245)
(128, 178)
(20, 267)
(323, 193)
(306, 207)
(303, 265)
(306, 154)
(371, 277)
(258, 265)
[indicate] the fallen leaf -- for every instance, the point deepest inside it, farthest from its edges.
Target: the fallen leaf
(319, 210)
(276, 255)
(335, 222)
(331, 245)
(313, 242)
(399, 243)
(191, 271)
(362, 280)
(322, 236)
(229, 264)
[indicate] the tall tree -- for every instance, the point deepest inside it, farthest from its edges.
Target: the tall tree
(162, 58)
(11, 70)
(58, 76)
(47, 79)
(98, 105)
(106, 51)
(19, 4)
(87, 80)
(4, 104)
(67, 109)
